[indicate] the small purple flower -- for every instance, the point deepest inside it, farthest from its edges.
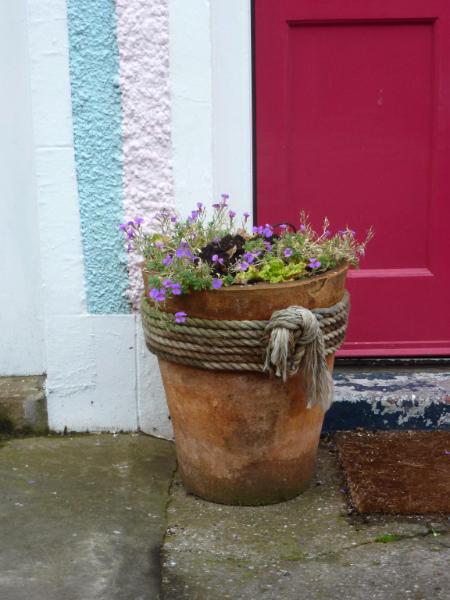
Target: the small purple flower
(174, 218)
(446, 452)
(194, 216)
(167, 260)
(314, 263)
(257, 230)
(217, 259)
(231, 214)
(167, 283)
(159, 245)
(176, 289)
(130, 234)
(267, 231)
(283, 226)
(216, 240)
(157, 295)
(246, 216)
(183, 250)
(249, 257)
(130, 248)
(327, 233)
(200, 206)
(267, 246)
(287, 252)
(225, 199)
(216, 205)
(123, 227)
(217, 283)
(180, 317)
(138, 221)
(302, 227)
(243, 266)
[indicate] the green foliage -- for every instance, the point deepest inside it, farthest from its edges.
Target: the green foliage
(387, 538)
(203, 252)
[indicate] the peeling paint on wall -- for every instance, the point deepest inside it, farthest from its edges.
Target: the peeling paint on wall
(96, 106)
(143, 39)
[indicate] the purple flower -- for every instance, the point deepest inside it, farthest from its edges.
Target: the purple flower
(159, 245)
(180, 317)
(217, 283)
(174, 218)
(183, 250)
(287, 252)
(257, 230)
(246, 216)
(193, 217)
(167, 283)
(199, 206)
(216, 259)
(302, 227)
(314, 263)
(167, 260)
(283, 226)
(176, 289)
(157, 295)
(130, 234)
(216, 205)
(267, 245)
(327, 233)
(231, 214)
(129, 248)
(243, 266)
(224, 199)
(123, 227)
(267, 231)
(249, 257)
(138, 221)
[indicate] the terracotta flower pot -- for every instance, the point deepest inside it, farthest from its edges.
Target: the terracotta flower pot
(241, 437)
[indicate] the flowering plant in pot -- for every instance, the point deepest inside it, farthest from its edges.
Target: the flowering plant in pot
(245, 322)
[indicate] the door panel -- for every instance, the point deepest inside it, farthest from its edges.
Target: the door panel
(353, 122)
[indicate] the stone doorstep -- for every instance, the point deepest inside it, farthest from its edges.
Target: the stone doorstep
(370, 397)
(390, 397)
(23, 405)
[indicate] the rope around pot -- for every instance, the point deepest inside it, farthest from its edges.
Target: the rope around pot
(293, 337)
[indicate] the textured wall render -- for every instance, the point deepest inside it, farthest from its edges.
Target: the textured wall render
(143, 39)
(97, 139)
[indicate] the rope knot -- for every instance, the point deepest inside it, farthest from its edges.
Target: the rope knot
(295, 339)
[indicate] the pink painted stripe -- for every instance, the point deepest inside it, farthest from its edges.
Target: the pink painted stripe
(143, 41)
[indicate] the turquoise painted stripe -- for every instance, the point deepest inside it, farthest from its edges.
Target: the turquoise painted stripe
(96, 106)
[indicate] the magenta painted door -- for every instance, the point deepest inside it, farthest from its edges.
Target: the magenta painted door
(353, 122)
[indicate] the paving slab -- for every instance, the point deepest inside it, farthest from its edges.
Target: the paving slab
(82, 518)
(309, 548)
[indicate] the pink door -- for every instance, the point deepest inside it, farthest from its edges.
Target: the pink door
(353, 122)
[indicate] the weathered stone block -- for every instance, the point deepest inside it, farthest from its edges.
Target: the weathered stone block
(23, 404)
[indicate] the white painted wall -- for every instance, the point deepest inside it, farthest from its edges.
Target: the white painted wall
(91, 359)
(210, 81)
(21, 318)
(100, 376)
